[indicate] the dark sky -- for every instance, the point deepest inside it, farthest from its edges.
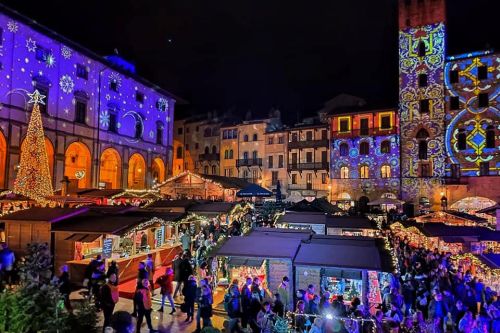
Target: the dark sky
(253, 54)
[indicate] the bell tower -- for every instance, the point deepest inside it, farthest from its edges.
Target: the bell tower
(421, 100)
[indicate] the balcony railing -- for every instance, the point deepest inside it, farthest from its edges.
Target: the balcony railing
(307, 144)
(209, 157)
(308, 166)
(308, 187)
(365, 132)
(249, 162)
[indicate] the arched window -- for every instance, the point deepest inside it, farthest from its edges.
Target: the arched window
(214, 170)
(231, 153)
(138, 127)
(343, 149)
(421, 49)
(461, 140)
(226, 154)
(255, 137)
(205, 170)
(254, 154)
(245, 155)
(364, 172)
(178, 154)
(385, 171)
(207, 132)
(159, 132)
(214, 150)
(422, 136)
(364, 148)
(385, 147)
(344, 172)
(490, 137)
(207, 150)
(245, 138)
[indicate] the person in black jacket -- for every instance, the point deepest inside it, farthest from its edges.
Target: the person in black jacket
(186, 269)
(65, 287)
(176, 264)
(189, 292)
(112, 269)
(109, 298)
(142, 274)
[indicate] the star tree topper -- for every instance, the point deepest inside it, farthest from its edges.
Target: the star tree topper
(36, 97)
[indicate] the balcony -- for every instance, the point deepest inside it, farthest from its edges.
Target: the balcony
(365, 132)
(208, 157)
(249, 162)
(307, 144)
(308, 166)
(307, 187)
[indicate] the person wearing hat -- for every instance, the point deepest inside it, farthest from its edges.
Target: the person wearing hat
(166, 288)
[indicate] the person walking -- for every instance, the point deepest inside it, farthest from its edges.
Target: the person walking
(65, 287)
(266, 318)
(232, 306)
(284, 293)
(113, 269)
(109, 298)
(143, 301)
(142, 274)
(186, 270)
(203, 300)
(246, 298)
(189, 292)
(150, 268)
(176, 264)
(7, 260)
(97, 280)
(166, 289)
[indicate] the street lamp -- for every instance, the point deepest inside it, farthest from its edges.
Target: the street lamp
(444, 202)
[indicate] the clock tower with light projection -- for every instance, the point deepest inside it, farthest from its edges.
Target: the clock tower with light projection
(421, 100)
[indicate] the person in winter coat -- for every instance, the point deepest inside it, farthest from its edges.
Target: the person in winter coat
(186, 269)
(143, 301)
(65, 287)
(278, 306)
(176, 264)
(205, 306)
(166, 288)
(98, 280)
(246, 298)
(150, 268)
(113, 269)
(266, 318)
(189, 292)
(109, 298)
(233, 307)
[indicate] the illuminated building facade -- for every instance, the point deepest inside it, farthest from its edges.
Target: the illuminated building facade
(229, 150)
(275, 159)
(105, 126)
(251, 150)
(308, 162)
(364, 157)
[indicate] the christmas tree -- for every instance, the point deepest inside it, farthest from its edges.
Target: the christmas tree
(33, 178)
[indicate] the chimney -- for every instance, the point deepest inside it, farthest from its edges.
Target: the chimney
(64, 187)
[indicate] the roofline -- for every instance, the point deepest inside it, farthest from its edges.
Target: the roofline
(470, 55)
(395, 109)
(77, 47)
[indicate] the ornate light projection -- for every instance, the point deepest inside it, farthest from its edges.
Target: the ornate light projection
(421, 56)
(478, 125)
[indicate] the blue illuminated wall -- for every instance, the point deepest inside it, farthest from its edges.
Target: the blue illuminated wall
(469, 117)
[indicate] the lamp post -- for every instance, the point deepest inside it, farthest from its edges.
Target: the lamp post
(444, 202)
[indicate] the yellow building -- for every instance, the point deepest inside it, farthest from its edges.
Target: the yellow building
(228, 150)
(308, 159)
(275, 160)
(251, 149)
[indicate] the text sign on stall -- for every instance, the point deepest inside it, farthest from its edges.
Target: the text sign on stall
(107, 248)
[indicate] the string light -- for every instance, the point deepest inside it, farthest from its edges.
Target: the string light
(33, 178)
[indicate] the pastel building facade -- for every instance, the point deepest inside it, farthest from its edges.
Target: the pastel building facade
(105, 126)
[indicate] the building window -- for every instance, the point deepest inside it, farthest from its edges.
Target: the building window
(179, 152)
(294, 178)
(274, 177)
(82, 72)
(482, 100)
(207, 150)
(461, 140)
(255, 137)
(424, 106)
(455, 170)
(230, 153)
(245, 174)
(385, 171)
(235, 134)
(187, 147)
(363, 127)
(482, 72)
(425, 170)
(422, 150)
(323, 178)
(112, 122)
(454, 103)
(159, 133)
(214, 150)
(80, 112)
(254, 155)
(138, 128)
(187, 129)
(205, 170)
(295, 137)
(364, 172)
(139, 97)
(270, 162)
(225, 134)
(113, 85)
(344, 172)
(281, 161)
(179, 131)
(214, 170)
(484, 168)
(343, 149)
(490, 137)
(281, 139)
(385, 147)
(324, 156)
(422, 80)
(324, 134)
(344, 125)
(245, 138)
(364, 148)
(197, 129)
(226, 154)
(309, 157)
(245, 155)
(309, 136)
(421, 49)
(454, 76)
(385, 122)
(207, 132)
(270, 140)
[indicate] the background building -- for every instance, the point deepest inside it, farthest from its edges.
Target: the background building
(275, 159)
(229, 150)
(105, 126)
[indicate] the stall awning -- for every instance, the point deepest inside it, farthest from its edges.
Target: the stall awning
(250, 262)
(81, 237)
(254, 190)
(342, 273)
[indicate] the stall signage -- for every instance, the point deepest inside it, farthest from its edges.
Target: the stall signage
(374, 296)
(107, 248)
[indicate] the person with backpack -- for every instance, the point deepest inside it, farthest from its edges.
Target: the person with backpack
(233, 307)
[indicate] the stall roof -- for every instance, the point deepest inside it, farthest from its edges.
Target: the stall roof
(254, 190)
(303, 218)
(101, 193)
(490, 259)
(341, 256)
(183, 203)
(259, 246)
(439, 229)
(228, 182)
(356, 222)
(104, 224)
(44, 214)
(281, 232)
(346, 240)
(466, 216)
(212, 207)
(317, 205)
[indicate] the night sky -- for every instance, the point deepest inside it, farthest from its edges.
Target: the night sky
(250, 54)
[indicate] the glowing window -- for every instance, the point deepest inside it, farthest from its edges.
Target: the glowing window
(344, 172)
(385, 171)
(385, 147)
(364, 172)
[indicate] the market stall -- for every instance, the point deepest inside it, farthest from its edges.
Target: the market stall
(485, 267)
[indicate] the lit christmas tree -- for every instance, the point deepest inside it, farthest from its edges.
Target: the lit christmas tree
(33, 177)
